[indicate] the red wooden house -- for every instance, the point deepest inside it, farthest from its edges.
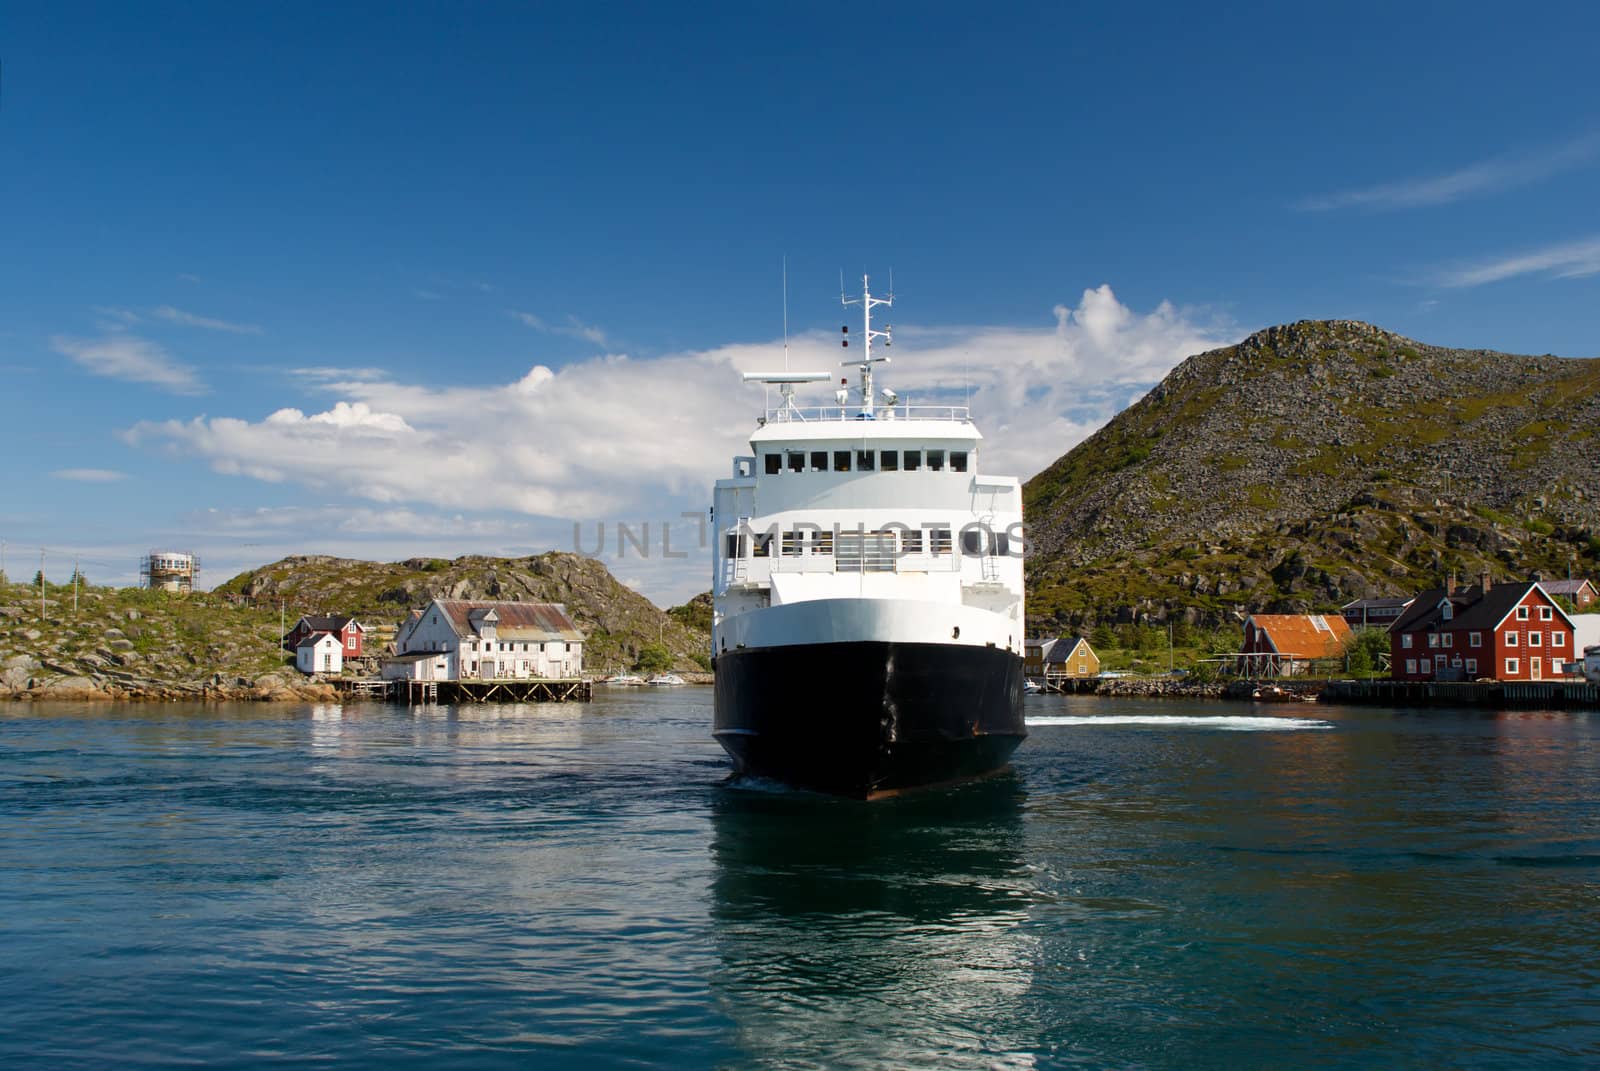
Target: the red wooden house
(349, 632)
(1512, 631)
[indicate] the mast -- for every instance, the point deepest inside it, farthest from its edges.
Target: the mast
(867, 301)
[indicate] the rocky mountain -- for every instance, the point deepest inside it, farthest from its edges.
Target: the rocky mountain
(618, 620)
(1314, 463)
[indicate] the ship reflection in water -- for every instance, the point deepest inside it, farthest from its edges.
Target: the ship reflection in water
(873, 935)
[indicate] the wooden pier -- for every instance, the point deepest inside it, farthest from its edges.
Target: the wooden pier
(1504, 695)
(411, 693)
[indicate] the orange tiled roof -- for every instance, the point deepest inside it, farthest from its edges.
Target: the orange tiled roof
(1296, 637)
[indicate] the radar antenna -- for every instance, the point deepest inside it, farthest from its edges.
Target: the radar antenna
(867, 303)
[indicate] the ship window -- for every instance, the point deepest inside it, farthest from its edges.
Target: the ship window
(738, 545)
(763, 544)
(936, 460)
(841, 461)
(999, 543)
(889, 460)
(774, 464)
(791, 543)
(939, 540)
(797, 461)
(913, 460)
(819, 461)
(972, 541)
(911, 542)
(958, 461)
(822, 543)
(864, 461)
(865, 552)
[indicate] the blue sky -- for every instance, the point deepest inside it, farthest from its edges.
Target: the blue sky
(280, 279)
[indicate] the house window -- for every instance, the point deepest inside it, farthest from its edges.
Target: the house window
(774, 464)
(1411, 665)
(1449, 639)
(958, 461)
(1475, 639)
(841, 461)
(1433, 639)
(1545, 614)
(1558, 639)
(1472, 667)
(1511, 639)
(1512, 667)
(913, 460)
(889, 460)
(1405, 640)
(350, 641)
(1522, 613)
(1535, 639)
(1447, 611)
(819, 461)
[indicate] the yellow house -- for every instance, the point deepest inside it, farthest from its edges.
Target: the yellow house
(1070, 658)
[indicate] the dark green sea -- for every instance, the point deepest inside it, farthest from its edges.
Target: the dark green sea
(1158, 885)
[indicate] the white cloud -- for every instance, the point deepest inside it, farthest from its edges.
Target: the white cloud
(572, 328)
(189, 319)
(1487, 176)
(1566, 260)
(642, 440)
(134, 359)
(89, 475)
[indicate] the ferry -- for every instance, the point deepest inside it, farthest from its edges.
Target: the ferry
(867, 586)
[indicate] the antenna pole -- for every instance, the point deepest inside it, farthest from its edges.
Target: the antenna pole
(867, 301)
(786, 312)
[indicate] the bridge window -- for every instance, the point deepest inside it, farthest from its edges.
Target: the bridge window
(889, 460)
(792, 540)
(797, 460)
(864, 461)
(911, 542)
(763, 545)
(841, 461)
(774, 464)
(936, 460)
(972, 541)
(819, 461)
(913, 460)
(999, 543)
(958, 461)
(939, 540)
(822, 543)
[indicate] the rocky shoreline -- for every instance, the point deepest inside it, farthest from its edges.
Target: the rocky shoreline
(25, 678)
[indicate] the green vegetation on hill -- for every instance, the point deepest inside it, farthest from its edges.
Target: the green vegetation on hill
(619, 622)
(1316, 463)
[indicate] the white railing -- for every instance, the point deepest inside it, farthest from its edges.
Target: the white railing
(820, 413)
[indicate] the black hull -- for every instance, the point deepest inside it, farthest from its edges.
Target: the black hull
(869, 719)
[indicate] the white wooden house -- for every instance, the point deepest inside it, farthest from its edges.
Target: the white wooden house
(320, 652)
(462, 639)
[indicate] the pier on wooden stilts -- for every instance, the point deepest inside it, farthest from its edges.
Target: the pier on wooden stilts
(413, 692)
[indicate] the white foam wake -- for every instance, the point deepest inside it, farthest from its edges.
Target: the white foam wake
(1230, 722)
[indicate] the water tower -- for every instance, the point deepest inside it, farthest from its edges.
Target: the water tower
(169, 570)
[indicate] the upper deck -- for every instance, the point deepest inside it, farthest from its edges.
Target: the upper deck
(813, 423)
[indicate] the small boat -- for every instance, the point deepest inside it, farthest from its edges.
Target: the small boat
(1032, 687)
(624, 680)
(665, 680)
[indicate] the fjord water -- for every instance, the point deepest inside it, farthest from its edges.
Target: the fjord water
(1157, 885)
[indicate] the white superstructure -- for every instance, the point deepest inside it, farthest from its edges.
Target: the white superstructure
(871, 519)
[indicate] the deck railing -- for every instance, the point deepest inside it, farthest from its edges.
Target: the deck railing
(819, 413)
